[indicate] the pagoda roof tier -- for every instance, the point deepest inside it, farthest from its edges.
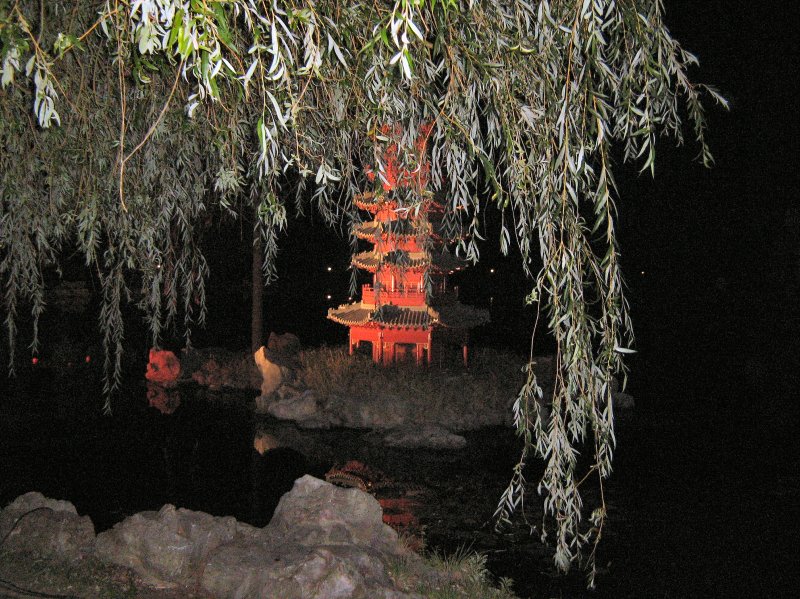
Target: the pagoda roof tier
(351, 314)
(387, 316)
(405, 227)
(391, 316)
(371, 201)
(373, 260)
(402, 227)
(442, 262)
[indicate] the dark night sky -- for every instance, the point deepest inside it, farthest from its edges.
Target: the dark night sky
(719, 247)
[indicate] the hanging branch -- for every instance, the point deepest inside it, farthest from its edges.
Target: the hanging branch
(159, 117)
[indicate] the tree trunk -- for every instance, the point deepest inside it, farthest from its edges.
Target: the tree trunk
(257, 284)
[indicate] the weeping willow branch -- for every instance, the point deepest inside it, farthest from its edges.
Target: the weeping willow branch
(158, 118)
(122, 103)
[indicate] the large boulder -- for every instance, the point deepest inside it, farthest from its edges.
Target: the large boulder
(271, 373)
(169, 547)
(163, 368)
(46, 527)
(318, 513)
(298, 406)
(291, 571)
(323, 542)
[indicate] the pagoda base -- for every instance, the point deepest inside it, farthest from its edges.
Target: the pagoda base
(390, 345)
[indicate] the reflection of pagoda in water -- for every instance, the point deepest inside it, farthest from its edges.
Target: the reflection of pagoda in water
(396, 315)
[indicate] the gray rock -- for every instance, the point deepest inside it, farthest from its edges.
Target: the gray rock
(168, 547)
(324, 542)
(318, 513)
(262, 404)
(239, 570)
(298, 572)
(294, 406)
(428, 436)
(47, 527)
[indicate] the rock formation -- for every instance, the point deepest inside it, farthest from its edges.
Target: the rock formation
(323, 542)
(163, 368)
(47, 527)
(271, 374)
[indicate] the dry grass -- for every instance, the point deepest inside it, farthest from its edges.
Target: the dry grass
(449, 393)
(462, 575)
(492, 376)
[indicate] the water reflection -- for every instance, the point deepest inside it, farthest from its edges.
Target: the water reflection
(164, 400)
(264, 442)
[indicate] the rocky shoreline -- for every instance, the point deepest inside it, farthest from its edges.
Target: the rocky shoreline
(323, 389)
(323, 542)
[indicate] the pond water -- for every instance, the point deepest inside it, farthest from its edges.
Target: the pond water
(697, 502)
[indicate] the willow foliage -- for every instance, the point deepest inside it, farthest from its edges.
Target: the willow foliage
(126, 123)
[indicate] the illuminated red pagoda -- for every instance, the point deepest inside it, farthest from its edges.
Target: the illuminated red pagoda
(396, 314)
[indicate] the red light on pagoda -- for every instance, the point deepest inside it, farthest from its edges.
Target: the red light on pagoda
(394, 316)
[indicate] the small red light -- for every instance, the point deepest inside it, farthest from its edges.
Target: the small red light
(87, 359)
(34, 360)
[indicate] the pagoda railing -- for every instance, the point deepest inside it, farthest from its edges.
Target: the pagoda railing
(405, 297)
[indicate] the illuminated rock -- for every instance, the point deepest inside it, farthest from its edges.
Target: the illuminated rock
(167, 548)
(315, 512)
(271, 373)
(163, 368)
